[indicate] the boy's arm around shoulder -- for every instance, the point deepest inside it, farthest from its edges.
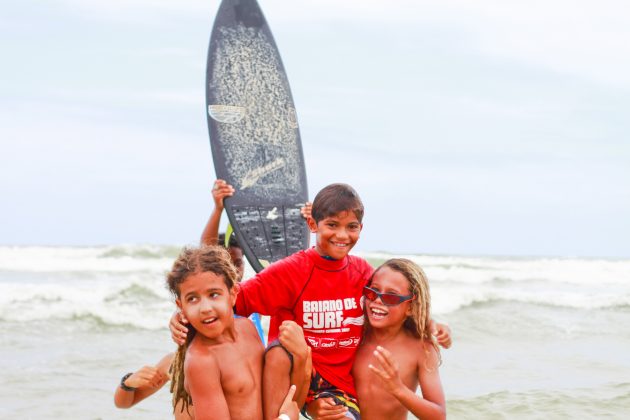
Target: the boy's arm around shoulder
(203, 378)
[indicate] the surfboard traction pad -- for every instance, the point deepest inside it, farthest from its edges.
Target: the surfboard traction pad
(272, 233)
(254, 134)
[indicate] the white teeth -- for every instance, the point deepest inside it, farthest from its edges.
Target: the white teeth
(208, 321)
(378, 312)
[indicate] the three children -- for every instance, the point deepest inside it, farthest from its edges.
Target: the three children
(318, 291)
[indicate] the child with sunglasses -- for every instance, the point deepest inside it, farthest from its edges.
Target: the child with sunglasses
(398, 351)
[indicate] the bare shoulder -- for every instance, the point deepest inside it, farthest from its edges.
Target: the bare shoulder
(200, 361)
(248, 330)
(245, 326)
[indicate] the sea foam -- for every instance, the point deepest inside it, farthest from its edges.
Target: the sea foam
(125, 285)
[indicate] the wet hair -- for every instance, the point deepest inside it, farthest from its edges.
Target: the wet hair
(233, 243)
(211, 258)
(334, 199)
(418, 324)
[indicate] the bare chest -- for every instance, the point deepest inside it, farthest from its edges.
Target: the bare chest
(374, 400)
(241, 370)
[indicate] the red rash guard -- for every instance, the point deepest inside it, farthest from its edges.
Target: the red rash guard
(320, 295)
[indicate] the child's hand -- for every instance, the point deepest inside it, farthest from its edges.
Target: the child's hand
(292, 339)
(306, 210)
(326, 409)
(220, 190)
(177, 325)
(147, 377)
(387, 371)
(289, 407)
(442, 333)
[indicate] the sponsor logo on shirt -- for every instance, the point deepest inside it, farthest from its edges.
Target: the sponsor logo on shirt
(353, 321)
(349, 342)
(332, 343)
(314, 342)
(328, 343)
(328, 315)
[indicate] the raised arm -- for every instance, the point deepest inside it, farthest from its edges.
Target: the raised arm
(431, 405)
(143, 383)
(220, 190)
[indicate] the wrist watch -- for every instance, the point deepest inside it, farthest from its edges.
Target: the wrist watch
(125, 387)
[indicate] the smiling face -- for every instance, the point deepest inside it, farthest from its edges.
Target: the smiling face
(336, 234)
(386, 280)
(207, 303)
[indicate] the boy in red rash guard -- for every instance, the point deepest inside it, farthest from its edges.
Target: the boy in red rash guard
(320, 290)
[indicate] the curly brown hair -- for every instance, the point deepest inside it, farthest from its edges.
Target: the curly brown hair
(193, 260)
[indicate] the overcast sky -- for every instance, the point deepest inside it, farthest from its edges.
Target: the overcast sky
(490, 127)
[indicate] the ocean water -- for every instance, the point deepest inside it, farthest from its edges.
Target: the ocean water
(533, 337)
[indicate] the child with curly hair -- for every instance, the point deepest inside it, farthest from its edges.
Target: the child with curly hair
(219, 367)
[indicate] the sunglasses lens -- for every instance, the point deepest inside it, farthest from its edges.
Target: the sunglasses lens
(369, 293)
(390, 299)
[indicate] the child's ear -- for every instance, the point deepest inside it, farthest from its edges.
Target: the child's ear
(312, 224)
(178, 302)
(234, 293)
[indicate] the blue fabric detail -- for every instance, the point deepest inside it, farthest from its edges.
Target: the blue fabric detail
(256, 319)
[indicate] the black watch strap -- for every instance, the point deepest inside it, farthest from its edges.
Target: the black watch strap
(122, 383)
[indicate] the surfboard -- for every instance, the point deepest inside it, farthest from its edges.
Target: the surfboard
(254, 135)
